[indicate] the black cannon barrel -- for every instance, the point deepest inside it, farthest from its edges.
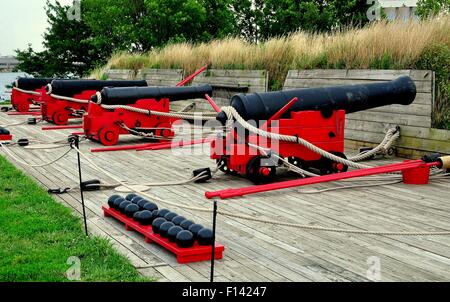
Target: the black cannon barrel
(32, 83)
(130, 95)
(351, 98)
(72, 87)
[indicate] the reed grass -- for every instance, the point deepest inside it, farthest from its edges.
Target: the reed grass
(379, 45)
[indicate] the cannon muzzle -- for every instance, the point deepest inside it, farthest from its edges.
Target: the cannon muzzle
(351, 98)
(72, 87)
(130, 95)
(32, 83)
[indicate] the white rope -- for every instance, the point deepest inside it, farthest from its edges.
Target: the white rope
(27, 91)
(392, 135)
(233, 114)
(10, 154)
(266, 221)
(183, 116)
(69, 99)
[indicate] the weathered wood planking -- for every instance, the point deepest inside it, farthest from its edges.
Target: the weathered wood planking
(256, 251)
(370, 126)
(234, 80)
(161, 77)
(121, 74)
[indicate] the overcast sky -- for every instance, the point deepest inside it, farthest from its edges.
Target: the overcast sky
(22, 22)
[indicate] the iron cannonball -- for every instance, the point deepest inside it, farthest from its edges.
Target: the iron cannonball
(173, 232)
(164, 228)
(117, 203)
(131, 209)
(130, 197)
(111, 200)
(195, 228)
(186, 224)
(170, 216)
(150, 206)
(157, 224)
(205, 237)
(145, 218)
(185, 239)
(178, 220)
(123, 205)
(163, 212)
(136, 199)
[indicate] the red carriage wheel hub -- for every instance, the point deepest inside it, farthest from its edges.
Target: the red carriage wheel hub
(264, 171)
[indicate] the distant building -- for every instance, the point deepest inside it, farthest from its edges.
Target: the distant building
(7, 64)
(399, 9)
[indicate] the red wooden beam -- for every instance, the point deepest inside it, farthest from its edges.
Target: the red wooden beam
(171, 145)
(25, 113)
(62, 127)
(192, 76)
(229, 193)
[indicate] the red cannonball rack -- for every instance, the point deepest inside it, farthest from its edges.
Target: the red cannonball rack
(196, 253)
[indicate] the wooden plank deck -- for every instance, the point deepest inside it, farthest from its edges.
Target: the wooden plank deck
(256, 251)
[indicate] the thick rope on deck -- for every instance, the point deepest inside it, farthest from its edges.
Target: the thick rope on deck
(266, 221)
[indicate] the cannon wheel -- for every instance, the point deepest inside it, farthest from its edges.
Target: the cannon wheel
(260, 170)
(108, 136)
(60, 118)
(327, 166)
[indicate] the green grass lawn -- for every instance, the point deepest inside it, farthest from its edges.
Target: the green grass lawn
(38, 235)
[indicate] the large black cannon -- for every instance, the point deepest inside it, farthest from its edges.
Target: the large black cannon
(112, 112)
(71, 87)
(130, 95)
(351, 98)
(67, 99)
(31, 83)
(27, 91)
(318, 117)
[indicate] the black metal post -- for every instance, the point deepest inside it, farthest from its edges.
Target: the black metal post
(77, 145)
(213, 252)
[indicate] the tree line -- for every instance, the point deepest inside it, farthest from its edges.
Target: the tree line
(74, 47)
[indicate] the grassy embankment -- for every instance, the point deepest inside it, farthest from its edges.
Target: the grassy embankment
(38, 235)
(383, 45)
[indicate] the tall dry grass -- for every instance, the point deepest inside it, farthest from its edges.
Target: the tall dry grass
(396, 44)
(380, 45)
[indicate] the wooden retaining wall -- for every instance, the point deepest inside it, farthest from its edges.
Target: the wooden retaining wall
(368, 128)
(365, 128)
(227, 83)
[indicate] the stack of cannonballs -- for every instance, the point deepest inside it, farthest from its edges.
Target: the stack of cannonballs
(177, 229)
